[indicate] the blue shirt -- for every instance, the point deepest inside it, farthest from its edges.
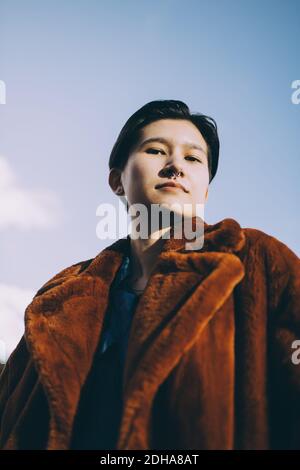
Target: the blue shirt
(122, 304)
(100, 409)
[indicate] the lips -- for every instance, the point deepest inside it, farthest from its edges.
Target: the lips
(172, 185)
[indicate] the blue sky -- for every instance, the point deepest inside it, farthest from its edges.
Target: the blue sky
(76, 70)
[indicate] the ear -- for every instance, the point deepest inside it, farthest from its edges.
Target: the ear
(115, 182)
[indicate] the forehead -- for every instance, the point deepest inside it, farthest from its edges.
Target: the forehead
(176, 131)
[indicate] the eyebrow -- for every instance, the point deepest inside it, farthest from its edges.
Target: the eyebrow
(162, 140)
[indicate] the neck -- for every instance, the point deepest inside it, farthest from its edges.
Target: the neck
(144, 253)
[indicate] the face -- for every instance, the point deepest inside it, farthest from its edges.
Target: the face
(165, 145)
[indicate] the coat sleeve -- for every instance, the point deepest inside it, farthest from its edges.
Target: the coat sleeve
(10, 376)
(17, 370)
(4, 377)
(283, 272)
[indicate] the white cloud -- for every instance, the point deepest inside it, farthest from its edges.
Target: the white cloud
(23, 208)
(13, 302)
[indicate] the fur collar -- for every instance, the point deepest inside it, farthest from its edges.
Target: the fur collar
(186, 288)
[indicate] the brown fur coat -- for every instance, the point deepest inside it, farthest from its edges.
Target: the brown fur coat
(210, 340)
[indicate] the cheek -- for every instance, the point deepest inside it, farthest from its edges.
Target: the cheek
(199, 183)
(136, 180)
(143, 172)
(132, 174)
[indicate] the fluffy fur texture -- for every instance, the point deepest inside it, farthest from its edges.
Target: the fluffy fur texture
(208, 364)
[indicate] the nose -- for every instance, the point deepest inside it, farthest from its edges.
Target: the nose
(173, 166)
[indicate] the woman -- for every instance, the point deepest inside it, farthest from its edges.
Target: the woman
(152, 344)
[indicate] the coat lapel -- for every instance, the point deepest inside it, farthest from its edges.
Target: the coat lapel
(184, 291)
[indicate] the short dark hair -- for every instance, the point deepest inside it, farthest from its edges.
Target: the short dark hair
(164, 109)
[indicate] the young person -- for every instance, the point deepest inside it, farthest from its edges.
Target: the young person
(150, 345)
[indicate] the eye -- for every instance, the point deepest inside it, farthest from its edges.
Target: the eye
(194, 158)
(154, 151)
